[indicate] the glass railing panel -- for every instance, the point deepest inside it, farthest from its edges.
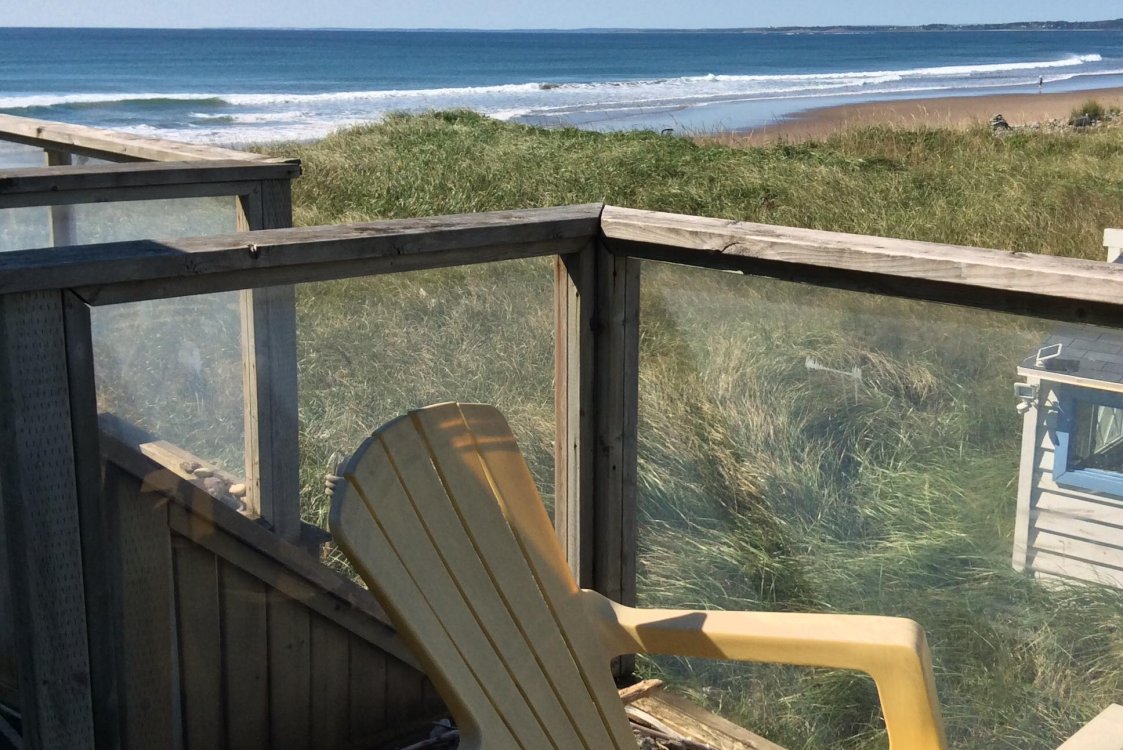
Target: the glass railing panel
(172, 367)
(808, 449)
(372, 348)
(19, 156)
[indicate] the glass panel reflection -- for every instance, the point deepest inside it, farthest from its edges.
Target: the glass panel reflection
(372, 348)
(806, 449)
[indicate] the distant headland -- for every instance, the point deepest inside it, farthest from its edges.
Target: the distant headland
(1110, 25)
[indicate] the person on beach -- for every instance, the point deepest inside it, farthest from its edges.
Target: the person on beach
(1040, 83)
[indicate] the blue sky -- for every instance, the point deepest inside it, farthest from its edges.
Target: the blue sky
(497, 14)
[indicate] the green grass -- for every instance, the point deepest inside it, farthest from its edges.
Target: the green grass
(762, 485)
(1091, 109)
(1045, 193)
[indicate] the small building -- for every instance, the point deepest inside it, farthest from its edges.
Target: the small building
(1070, 489)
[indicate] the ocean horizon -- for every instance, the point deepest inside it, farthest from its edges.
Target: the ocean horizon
(243, 86)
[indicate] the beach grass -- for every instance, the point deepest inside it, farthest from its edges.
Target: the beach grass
(763, 485)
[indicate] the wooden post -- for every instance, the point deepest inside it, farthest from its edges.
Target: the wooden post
(62, 217)
(616, 392)
(269, 377)
(574, 297)
(39, 495)
(98, 524)
(597, 406)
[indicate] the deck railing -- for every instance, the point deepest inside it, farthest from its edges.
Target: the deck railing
(49, 437)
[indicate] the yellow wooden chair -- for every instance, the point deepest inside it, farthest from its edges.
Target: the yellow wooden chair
(440, 516)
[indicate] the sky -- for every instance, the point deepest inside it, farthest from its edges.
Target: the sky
(526, 14)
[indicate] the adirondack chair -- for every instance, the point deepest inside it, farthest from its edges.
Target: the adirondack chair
(440, 515)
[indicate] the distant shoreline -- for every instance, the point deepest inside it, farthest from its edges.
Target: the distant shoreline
(955, 112)
(1115, 24)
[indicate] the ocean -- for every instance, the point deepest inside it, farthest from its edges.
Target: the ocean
(239, 86)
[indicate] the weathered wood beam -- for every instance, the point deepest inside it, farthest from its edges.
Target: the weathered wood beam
(616, 392)
(151, 269)
(596, 405)
(574, 409)
(62, 183)
(1026, 283)
(111, 145)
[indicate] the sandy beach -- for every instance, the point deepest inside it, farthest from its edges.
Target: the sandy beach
(952, 111)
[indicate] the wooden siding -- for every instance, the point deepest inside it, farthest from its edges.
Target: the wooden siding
(1068, 534)
(233, 638)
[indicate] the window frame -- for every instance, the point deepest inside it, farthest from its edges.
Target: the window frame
(1088, 480)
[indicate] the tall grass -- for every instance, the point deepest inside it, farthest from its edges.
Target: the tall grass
(763, 485)
(1030, 192)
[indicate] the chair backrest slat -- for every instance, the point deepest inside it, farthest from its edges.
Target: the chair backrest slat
(514, 489)
(456, 539)
(464, 554)
(366, 541)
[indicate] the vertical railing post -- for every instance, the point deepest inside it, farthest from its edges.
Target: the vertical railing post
(616, 394)
(597, 411)
(270, 378)
(574, 297)
(62, 217)
(39, 493)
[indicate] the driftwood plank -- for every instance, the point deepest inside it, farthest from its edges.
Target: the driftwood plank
(111, 145)
(924, 270)
(290, 679)
(200, 644)
(149, 269)
(695, 722)
(245, 652)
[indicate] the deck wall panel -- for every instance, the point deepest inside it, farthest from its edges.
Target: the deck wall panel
(217, 655)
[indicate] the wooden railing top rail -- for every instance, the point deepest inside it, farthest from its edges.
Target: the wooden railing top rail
(996, 279)
(48, 186)
(112, 145)
(127, 271)
(149, 269)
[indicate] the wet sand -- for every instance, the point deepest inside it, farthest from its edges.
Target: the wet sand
(945, 112)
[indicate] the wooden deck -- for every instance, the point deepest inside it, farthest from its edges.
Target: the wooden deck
(140, 612)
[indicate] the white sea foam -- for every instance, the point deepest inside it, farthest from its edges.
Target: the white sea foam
(240, 117)
(778, 83)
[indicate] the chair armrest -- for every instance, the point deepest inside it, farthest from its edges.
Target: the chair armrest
(892, 650)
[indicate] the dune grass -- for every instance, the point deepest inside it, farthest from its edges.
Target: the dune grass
(1031, 192)
(763, 485)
